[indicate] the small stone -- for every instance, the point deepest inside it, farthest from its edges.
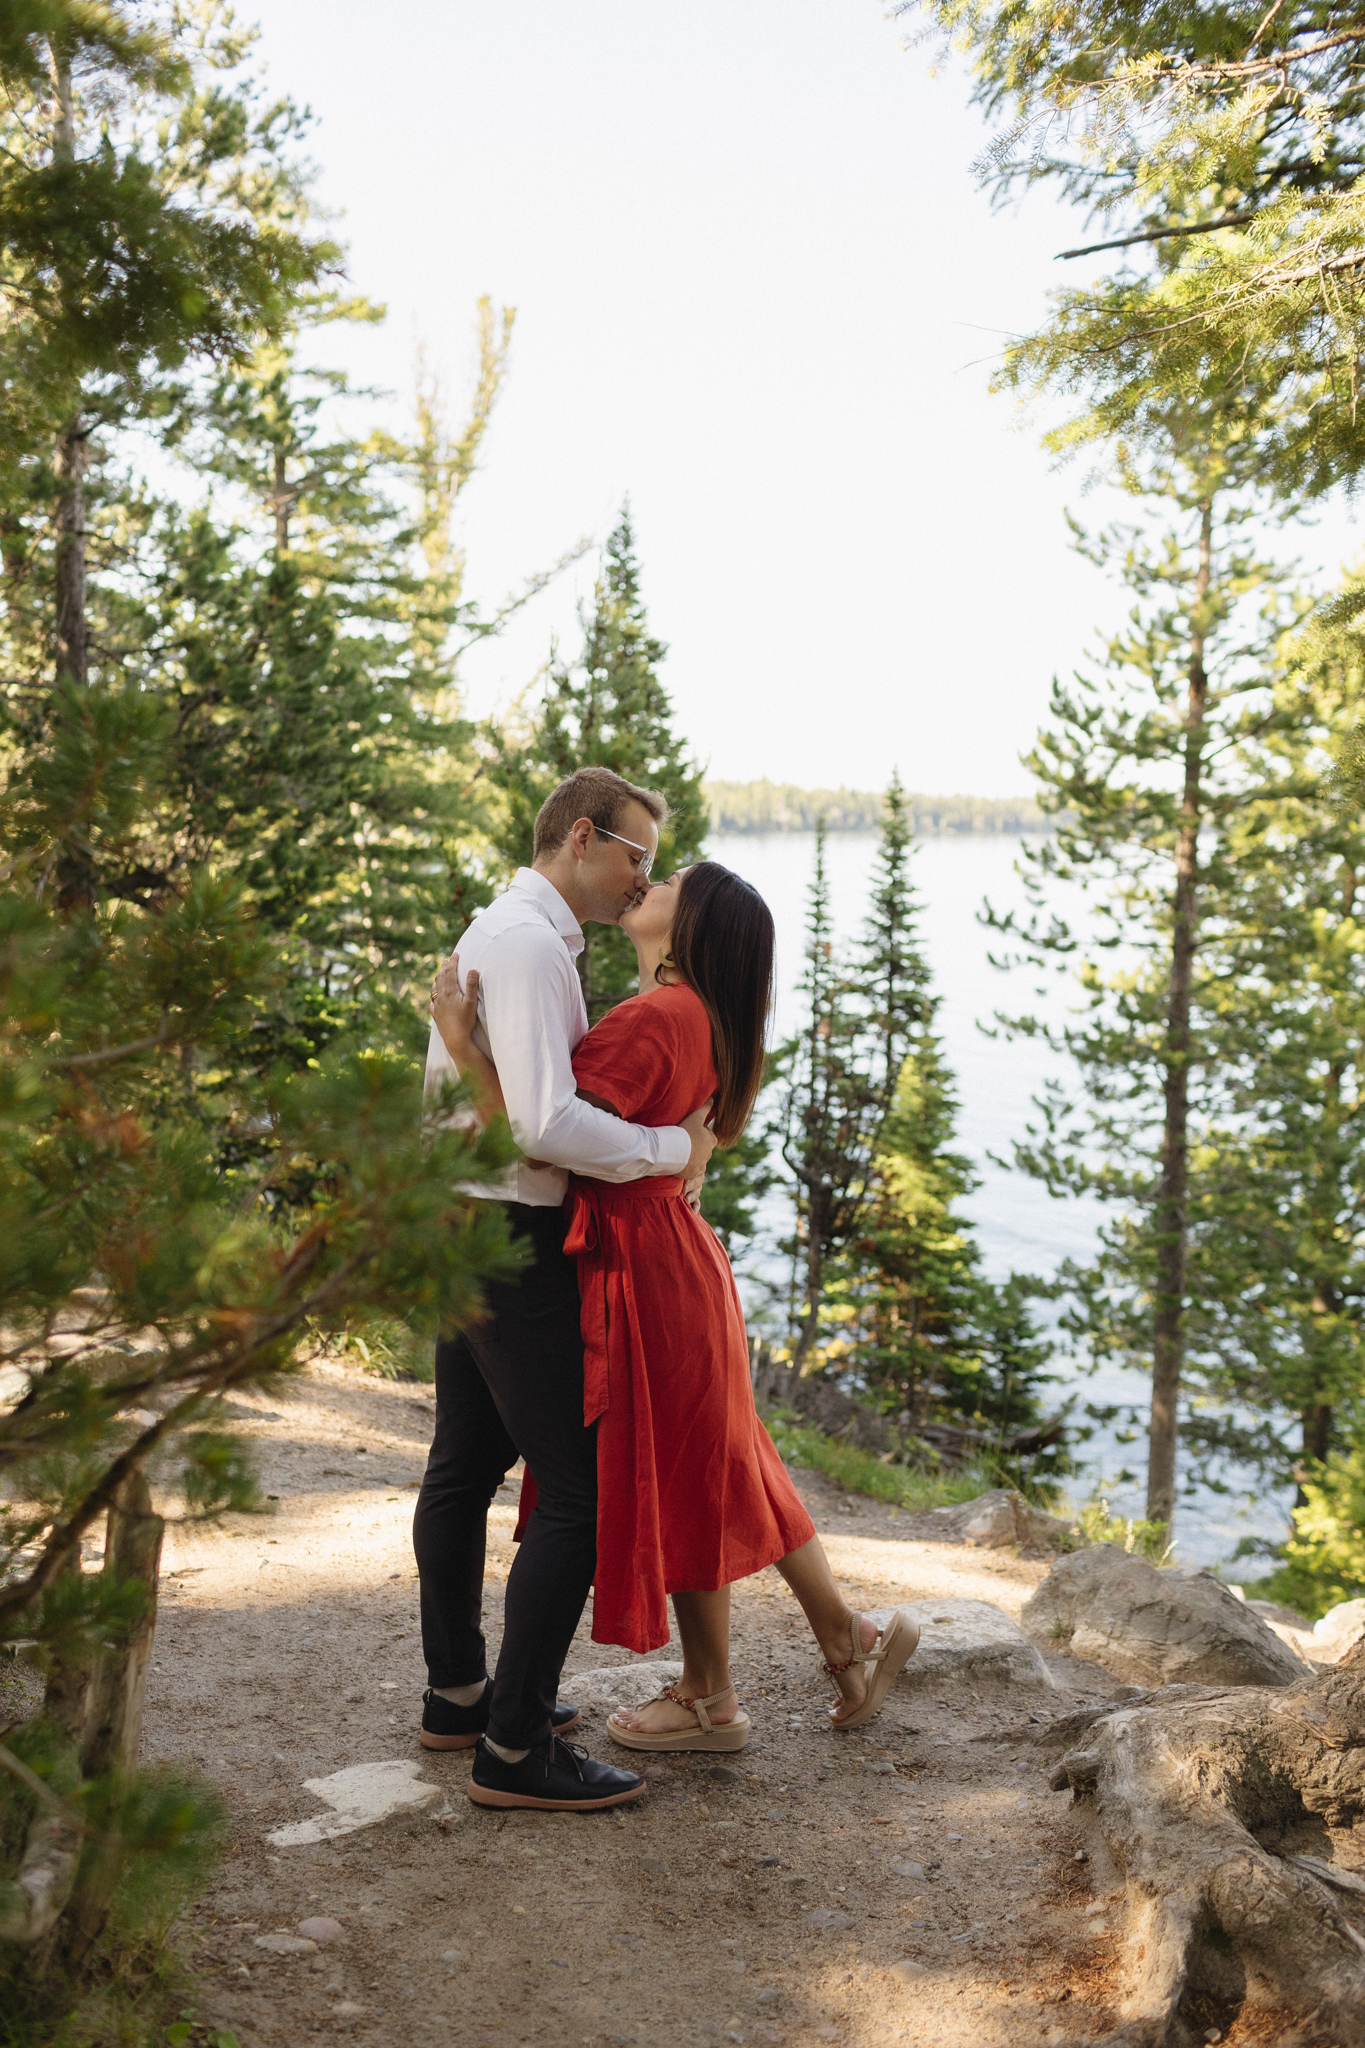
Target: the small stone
(828, 1921)
(882, 1770)
(286, 1945)
(768, 1862)
(915, 1870)
(723, 1775)
(954, 1838)
(453, 1955)
(654, 1864)
(655, 1773)
(769, 1995)
(389, 1685)
(347, 2010)
(321, 1931)
(1080, 1857)
(907, 1971)
(521, 1910)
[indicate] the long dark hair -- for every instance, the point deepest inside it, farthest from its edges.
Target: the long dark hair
(722, 945)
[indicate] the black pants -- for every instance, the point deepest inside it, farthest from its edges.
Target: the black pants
(511, 1385)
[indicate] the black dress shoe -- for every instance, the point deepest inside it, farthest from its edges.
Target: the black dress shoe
(448, 1726)
(557, 1777)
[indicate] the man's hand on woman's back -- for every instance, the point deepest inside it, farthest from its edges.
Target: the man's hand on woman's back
(702, 1138)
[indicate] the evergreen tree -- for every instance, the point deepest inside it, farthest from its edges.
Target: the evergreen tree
(1148, 771)
(826, 1115)
(608, 709)
(145, 1272)
(1221, 150)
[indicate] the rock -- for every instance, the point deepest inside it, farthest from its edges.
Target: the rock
(286, 1945)
(654, 1864)
(997, 1520)
(769, 1995)
(723, 1774)
(621, 1685)
(453, 1955)
(769, 1862)
(915, 1870)
(881, 1770)
(321, 1931)
(828, 1921)
(1339, 1630)
(1155, 1625)
(361, 1796)
(907, 1971)
(969, 1639)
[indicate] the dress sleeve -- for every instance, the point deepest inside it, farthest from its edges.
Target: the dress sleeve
(629, 1058)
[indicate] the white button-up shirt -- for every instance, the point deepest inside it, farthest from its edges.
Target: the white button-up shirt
(531, 1016)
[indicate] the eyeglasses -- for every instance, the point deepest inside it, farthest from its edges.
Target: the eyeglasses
(646, 860)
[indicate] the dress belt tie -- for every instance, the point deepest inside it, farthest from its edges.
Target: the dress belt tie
(589, 1200)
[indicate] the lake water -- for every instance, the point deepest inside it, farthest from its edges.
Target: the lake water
(1019, 1226)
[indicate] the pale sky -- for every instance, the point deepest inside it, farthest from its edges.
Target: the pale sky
(758, 290)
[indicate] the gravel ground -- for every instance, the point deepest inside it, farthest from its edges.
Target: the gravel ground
(759, 1904)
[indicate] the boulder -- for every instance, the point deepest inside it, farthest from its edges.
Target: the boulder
(621, 1685)
(997, 1521)
(1155, 1625)
(1340, 1629)
(972, 1640)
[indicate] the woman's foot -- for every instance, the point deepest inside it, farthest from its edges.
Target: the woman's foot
(668, 1715)
(683, 1721)
(850, 1678)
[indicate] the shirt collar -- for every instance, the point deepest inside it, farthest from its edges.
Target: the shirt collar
(544, 893)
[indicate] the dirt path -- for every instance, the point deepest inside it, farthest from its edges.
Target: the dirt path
(288, 1649)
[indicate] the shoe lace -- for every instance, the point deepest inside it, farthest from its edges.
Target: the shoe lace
(570, 1754)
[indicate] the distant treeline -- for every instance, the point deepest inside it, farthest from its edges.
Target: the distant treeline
(782, 807)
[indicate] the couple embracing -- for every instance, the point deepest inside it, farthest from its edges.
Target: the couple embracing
(616, 1362)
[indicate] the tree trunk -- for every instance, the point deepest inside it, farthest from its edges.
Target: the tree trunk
(1227, 1818)
(113, 1727)
(70, 626)
(70, 630)
(1171, 1218)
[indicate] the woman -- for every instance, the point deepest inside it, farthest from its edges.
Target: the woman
(691, 1491)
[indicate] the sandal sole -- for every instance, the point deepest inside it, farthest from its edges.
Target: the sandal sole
(902, 1641)
(730, 1736)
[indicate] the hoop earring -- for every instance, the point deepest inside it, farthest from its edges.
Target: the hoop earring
(665, 960)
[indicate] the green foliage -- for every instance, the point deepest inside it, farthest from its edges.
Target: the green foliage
(1140, 1538)
(859, 1471)
(1323, 1561)
(607, 709)
(891, 1298)
(1221, 150)
(231, 787)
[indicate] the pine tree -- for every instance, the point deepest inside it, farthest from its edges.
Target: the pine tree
(1147, 773)
(607, 709)
(826, 1116)
(145, 1272)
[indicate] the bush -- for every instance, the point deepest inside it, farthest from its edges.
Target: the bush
(1139, 1538)
(860, 1471)
(1324, 1560)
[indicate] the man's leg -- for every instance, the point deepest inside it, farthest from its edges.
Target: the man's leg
(530, 1352)
(471, 1453)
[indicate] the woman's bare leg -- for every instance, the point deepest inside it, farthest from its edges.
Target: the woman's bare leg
(704, 1632)
(808, 1574)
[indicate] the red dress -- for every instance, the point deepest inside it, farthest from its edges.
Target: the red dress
(691, 1491)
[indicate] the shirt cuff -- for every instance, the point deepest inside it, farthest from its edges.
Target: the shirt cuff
(675, 1149)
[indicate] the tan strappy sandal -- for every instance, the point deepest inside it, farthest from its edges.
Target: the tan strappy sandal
(706, 1735)
(892, 1651)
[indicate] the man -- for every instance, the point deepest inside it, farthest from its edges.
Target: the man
(513, 1382)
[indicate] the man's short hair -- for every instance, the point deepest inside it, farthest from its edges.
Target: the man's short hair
(594, 793)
